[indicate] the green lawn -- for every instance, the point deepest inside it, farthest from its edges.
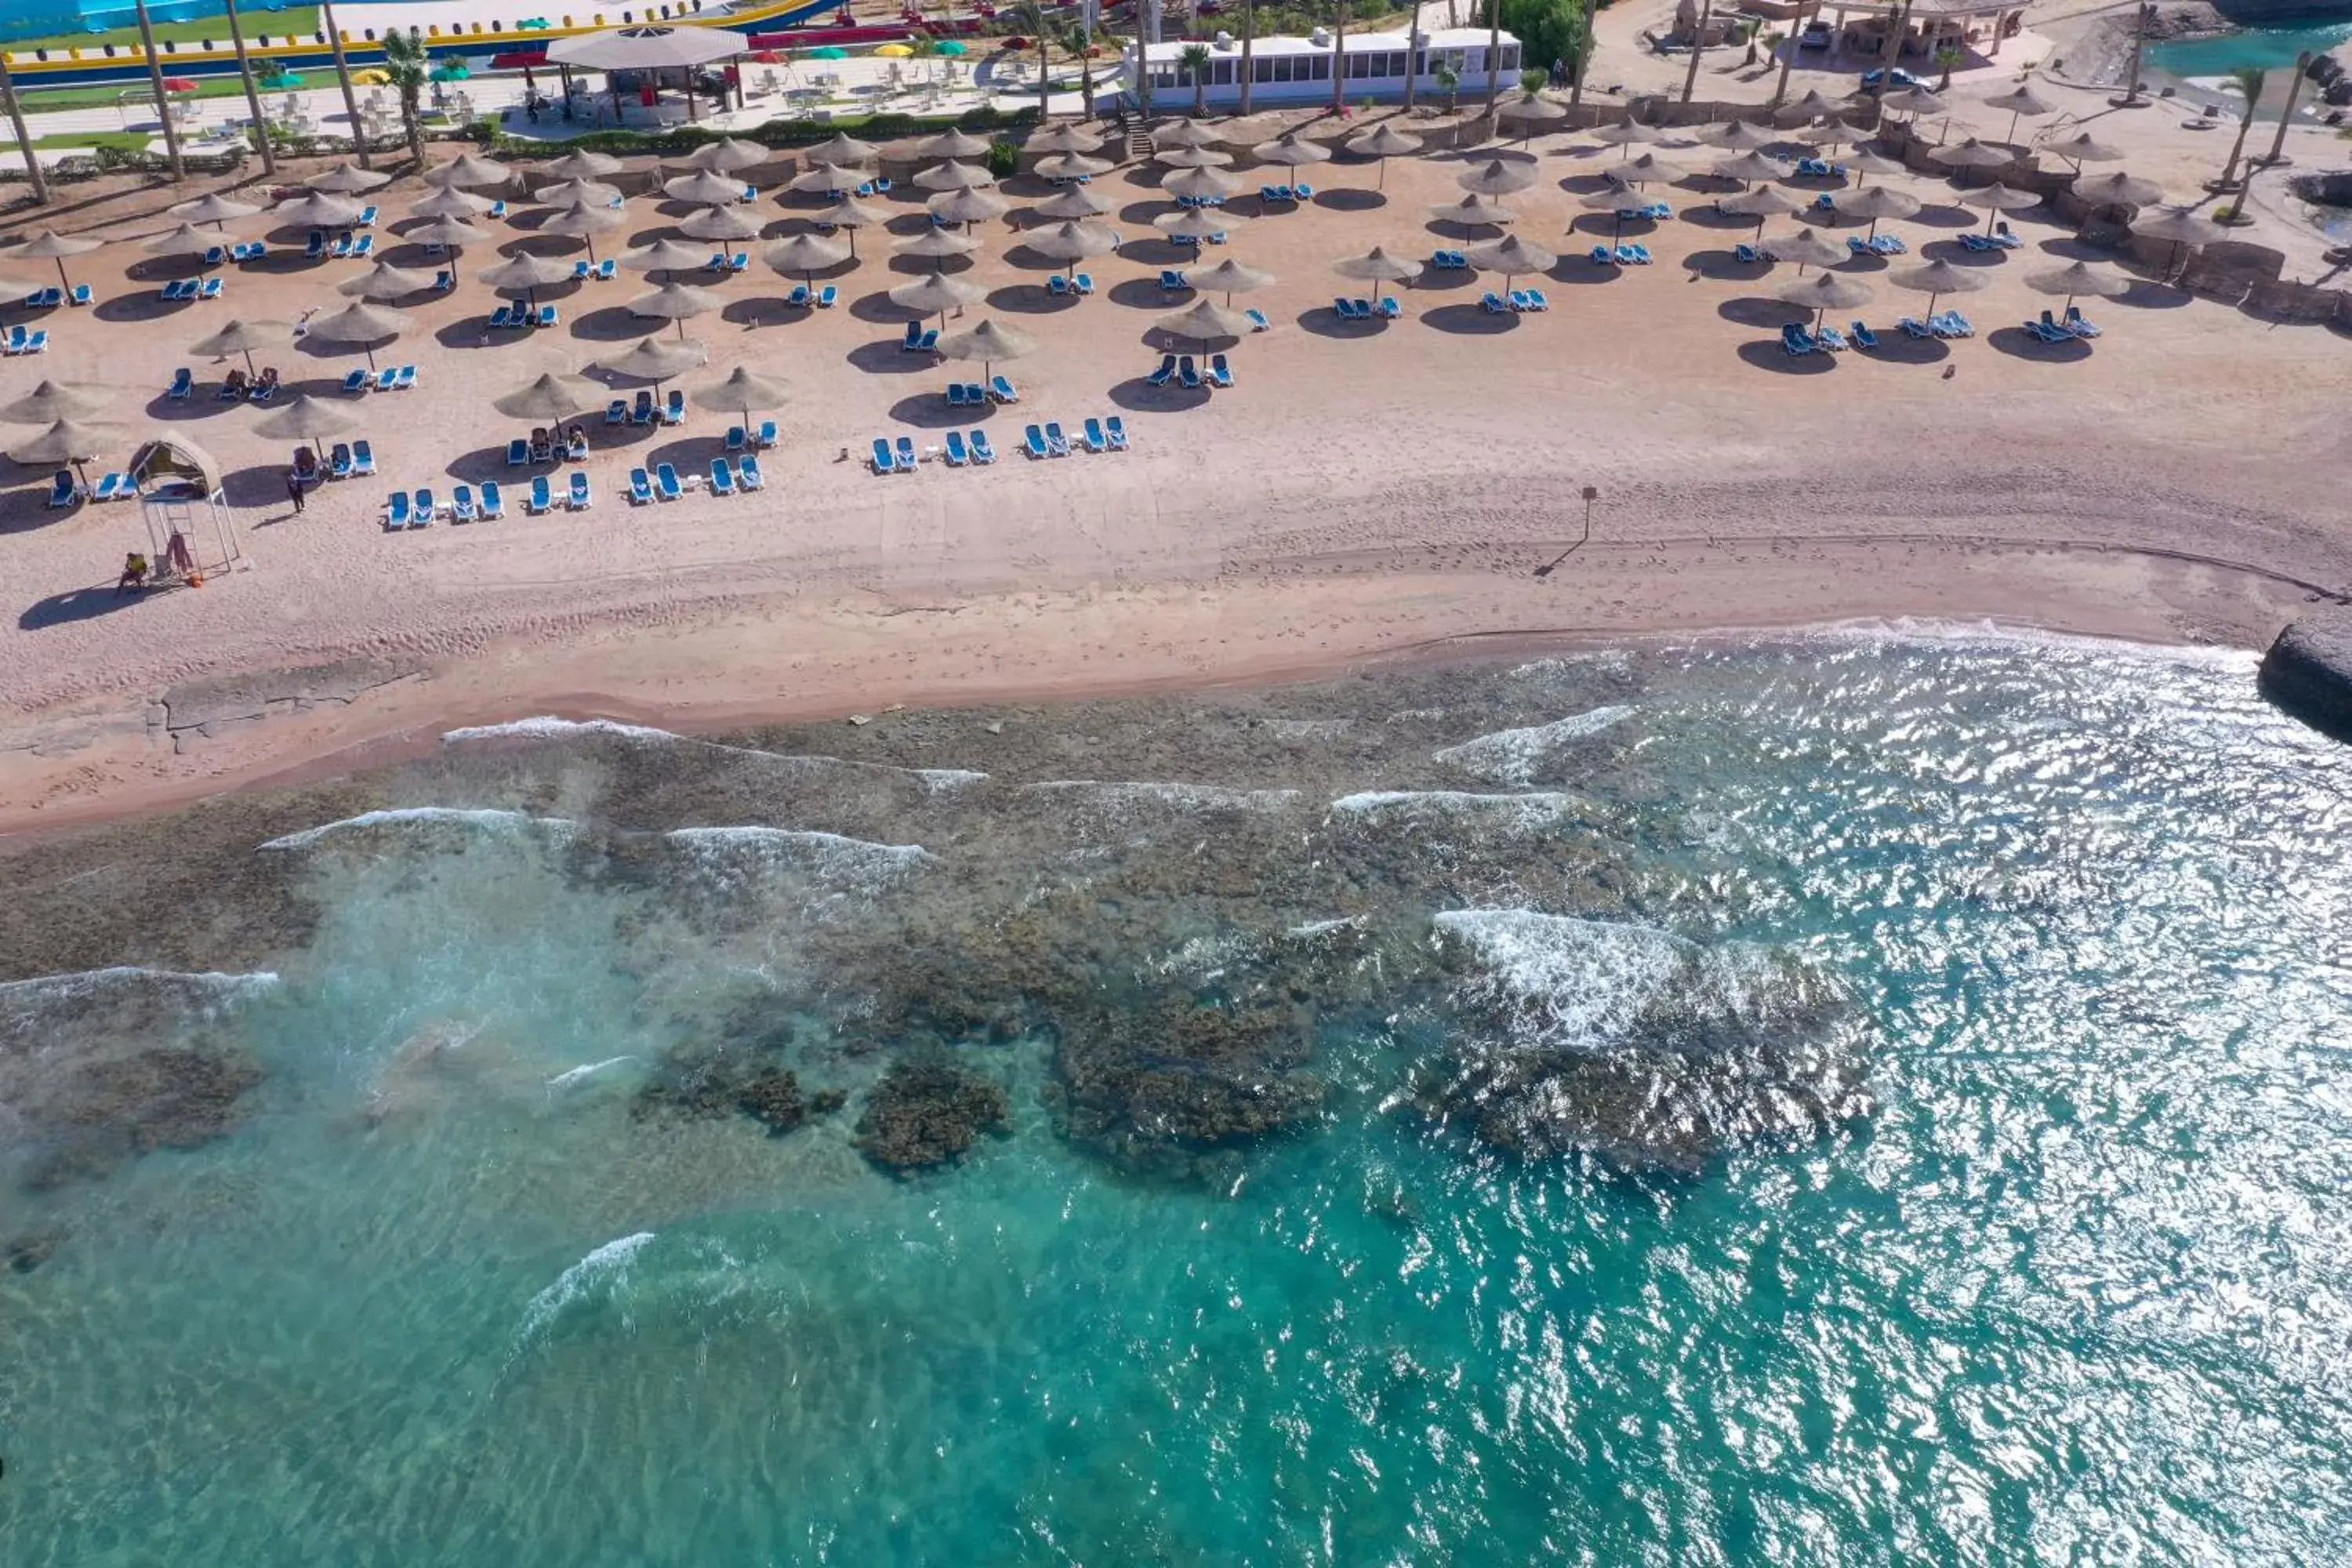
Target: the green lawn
(51, 100)
(293, 19)
(121, 141)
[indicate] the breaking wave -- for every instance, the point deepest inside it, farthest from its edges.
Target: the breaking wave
(1170, 796)
(1516, 756)
(604, 1271)
(1516, 811)
(406, 815)
(1588, 983)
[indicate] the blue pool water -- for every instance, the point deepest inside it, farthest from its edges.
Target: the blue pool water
(1981, 1194)
(2255, 49)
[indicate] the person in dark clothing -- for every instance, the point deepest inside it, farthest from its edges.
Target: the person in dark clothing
(294, 490)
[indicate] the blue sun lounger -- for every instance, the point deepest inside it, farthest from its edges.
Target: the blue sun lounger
(747, 468)
(642, 412)
(641, 487)
(957, 454)
(674, 411)
(1494, 304)
(1258, 324)
(355, 381)
(826, 296)
(65, 490)
(1795, 339)
(542, 495)
(1033, 441)
(362, 456)
(582, 497)
(1096, 440)
(666, 481)
(1055, 442)
(396, 511)
(1220, 373)
(1003, 390)
(422, 508)
(884, 462)
(1864, 338)
(799, 298)
(1116, 429)
(2077, 324)
(1188, 373)
(461, 504)
(1165, 374)
(518, 453)
(983, 450)
(183, 384)
(907, 458)
(339, 460)
(1829, 339)
(722, 478)
(617, 411)
(494, 503)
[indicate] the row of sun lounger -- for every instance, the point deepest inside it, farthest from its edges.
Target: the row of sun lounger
(1628, 255)
(722, 262)
(66, 490)
(50, 297)
(516, 317)
(358, 379)
(1449, 260)
(800, 299)
(1876, 245)
(343, 245)
(20, 341)
(919, 338)
(1301, 192)
(420, 508)
(1075, 283)
(2066, 331)
(725, 480)
(1047, 441)
(186, 289)
(1180, 368)
(2000, 239)
(1525, 301)
(346, 460)
(1386, 308)
(972, 394)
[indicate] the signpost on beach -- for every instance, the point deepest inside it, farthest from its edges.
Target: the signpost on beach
(1590, 495)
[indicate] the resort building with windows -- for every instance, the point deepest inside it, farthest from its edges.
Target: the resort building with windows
(1299, 70)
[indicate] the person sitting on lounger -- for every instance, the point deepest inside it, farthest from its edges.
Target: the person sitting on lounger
(134, 574)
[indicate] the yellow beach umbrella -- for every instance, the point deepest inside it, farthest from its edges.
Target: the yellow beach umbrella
(895, 52)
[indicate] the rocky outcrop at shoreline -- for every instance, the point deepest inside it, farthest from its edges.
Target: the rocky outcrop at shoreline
(2308, 672)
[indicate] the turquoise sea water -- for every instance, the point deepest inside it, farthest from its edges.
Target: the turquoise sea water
(2067, 1278)
(2255, 49)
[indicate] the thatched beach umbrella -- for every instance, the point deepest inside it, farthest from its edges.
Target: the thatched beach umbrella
(2182, 228)
(1617, 200)
(1072, 241)
(243, 337)
(1198, 223)
(54, 400)
(362, 321)
(1807, 109)
(727, 155)
(215, 209)
(451, 202)
(805, 254)
(1804, 247)
(853, 215)
(1972, 154)
(678, 302)
(1291, 150)
(953, 143)
(1763, 201)
(1643, 167)
(827, 179)
(1379, 265)
(1913, 101)
(1383, 141)
(306, 419)
(48, 245)
(186, 240)
(968, 206)
(1998, 199)
(552, 397)
(1192, 157)
(741, 392)
(1072, 167)
(988, 343)
(1936, 279)
(1204, 322)
(1869, 160)
(1064, 137)
(1512, 257)
(1823, 292)
(1749, 167)
(1497, 177)
(1075, 202)
(954, 177)
(348, 180)
(936, 294)
(2023, 103)
(1738, 136)
(1617, 133)
(2079, 278)
(526, 274)
(2118, 189)
(384, 281)
(1879, 202)
(583, 224)
(454, 234)
(1200, 184)
(1228, 278)
(67, 441)
(664, 255)
(654, 359)
(469, 171)
(720, 224)
(2084, 149)
(1185, 133)
(581, 165)
(703, 188)
(1474, 212)
(843, 148)
(576, 194)
(1529, 109)
(319, 209)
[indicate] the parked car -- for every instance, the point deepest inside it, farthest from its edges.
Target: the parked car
(1816, 35)
(1872, 82)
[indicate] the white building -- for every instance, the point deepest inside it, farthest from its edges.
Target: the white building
(1299, 70)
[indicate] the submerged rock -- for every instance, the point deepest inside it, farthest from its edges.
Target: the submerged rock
(1149, 1084)
(25, 1253)
(928, 1112)
(115, 1109)
(2308, 672)
(773, 1100)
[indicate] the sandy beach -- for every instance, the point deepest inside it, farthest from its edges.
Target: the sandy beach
(1365, 490)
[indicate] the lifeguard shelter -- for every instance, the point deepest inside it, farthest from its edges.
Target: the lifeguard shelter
(179, 486)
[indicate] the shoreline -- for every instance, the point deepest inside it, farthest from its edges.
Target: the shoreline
(107, 760)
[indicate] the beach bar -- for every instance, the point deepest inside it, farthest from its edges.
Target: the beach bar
(1299, 70)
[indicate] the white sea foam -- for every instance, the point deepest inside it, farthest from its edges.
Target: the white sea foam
(799, 844)
(86, 981)
(1588, 980)
(942, 781)
(406, 815)
(584, 1073)
(815, 867)
(1172, 796)
(549, 728)
(1519, 813)
(607, 1268)
(1324, 928)
(546, 727)
(1306, 728)
(1515, 756)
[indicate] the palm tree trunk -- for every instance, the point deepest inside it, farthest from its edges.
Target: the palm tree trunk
(1494, 54)
(162, 99)
(1339, 60)
(1412, 56)
(2230, 169)
(1788, 60)
(1698, 48)
(1249, 37)
(252, 93)
(2286, 113)
(343, 75)
(24, 136)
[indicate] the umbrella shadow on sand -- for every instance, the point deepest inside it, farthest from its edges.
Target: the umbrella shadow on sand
(1031, 299)
(1140, 397)
(1327, 322)
(616, 325)
(1723, 267)
(1767, 354)
(143, 306)
(1960, 255)
(889, 359)
(1350, 199)
(2019, 343)
(929, 411)
(1470, 320)
(1899, 347)
(1760, 310)
(467, 332)
(491, 463)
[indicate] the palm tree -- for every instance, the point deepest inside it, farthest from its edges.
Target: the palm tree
(1196, 60)
(1581, 40)
(1698, 46)
(404, 67)
(1948, 57)
(1249, 37)
(2250, 83)
(252, 93)
(1449, 81)
(1339, 60)
(1787, 47)
(1031, 18)
(24, 136)
(343, 75)
(1075, 44)
(1494, 54)
(1412, 56)
(162, 99)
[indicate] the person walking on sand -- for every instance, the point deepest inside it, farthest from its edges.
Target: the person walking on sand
(294, 490)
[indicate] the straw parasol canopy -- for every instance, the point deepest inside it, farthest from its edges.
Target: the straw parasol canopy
(2182, 228)
(1530, 110)
(1184, 133)
(2084, 149)
(50, 245)
(728, 154)
(16, 288)
(936, 294)
(1200, 184)
(451, 202)
(1075, 202)
(1938, 278)
(186, 240)
(1474, 212)
(742, 390)
(1192, 157)
(676, 302)
(469, 171)
(243, 338)
(1999, 199)
(844, 148)
(1879, 202)
(1749, 167)
(306, 419)
(1497, 178)
(1064, 138)
(576, 194)
(826, 180)
(654, 359)
(348, 180)
(1291, 150)
(1512, 257)
(1383, 141)
(719, 224)
(384, 281)
(552, 397)
(968, 206)
(55, 400)
(1807, 109)
(1911, 101)
(954, 177)
(952, 144)
(215, 209)
(67, 441)
(1765, 200)
(850, 213)
(1197, 223)
(526, 273)
(2079, 278)
(448, 231)
(2119, 189)
(704, 188)
(1618, 133)
(582, 223)
(1379, 265)
(1738, 136)
(1824, 292)
(1972, 154)
(988, 343)
(362, 321)
(1204, 320)
(2023, 103)
(1228, 278)
(1072, 241)
(319, 209)
(580, 166)
(1804, 247)
(1072, 167)
(664, 255)
(805, 254)
(1643, 167)
(1869, 160)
